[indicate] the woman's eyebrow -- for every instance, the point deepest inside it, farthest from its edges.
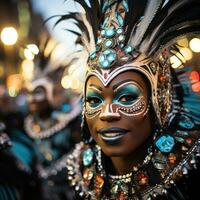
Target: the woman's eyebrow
(119, 85)
(95, 87)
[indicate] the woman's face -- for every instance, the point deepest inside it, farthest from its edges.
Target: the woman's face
(117, 115)
(38, 100)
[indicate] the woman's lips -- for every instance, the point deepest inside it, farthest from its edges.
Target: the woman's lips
(112, 135)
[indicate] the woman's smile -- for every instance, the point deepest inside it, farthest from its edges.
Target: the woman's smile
(112, 135)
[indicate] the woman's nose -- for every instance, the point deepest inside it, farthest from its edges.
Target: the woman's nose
(107, 114)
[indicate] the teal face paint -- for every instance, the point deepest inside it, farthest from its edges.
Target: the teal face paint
(127, 95)
(93, 99)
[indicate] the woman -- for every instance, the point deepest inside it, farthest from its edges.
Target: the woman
(50, 129)
(141, 117)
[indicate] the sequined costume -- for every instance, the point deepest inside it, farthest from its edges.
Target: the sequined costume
(142, 36)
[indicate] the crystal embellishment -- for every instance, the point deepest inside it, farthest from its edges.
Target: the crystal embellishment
(165, 143)
(87, 157)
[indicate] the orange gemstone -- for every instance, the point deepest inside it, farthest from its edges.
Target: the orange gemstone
(142, 178)
(99, 181)
(172, 159)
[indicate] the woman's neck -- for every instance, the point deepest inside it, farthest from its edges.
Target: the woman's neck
(125, 164)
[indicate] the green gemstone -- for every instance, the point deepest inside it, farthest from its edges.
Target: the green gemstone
(87, 157)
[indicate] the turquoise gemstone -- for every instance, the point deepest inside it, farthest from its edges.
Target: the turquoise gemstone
(110, 32)
(101, 58)
(87, 157)
(119, 19)
(103, 32)
(186, 122)
(112, 57)
(92, 55)
(119, 31)
(108, 43)
(121, 38)
(105, 64)
(128, 49)
(125, 5)
(107, 51)
(165, 143)
(99, 41)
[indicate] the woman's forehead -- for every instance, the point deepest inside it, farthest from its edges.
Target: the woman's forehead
(128, 76)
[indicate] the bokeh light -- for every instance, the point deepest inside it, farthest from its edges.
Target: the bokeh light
(195, 45)
(9, 36)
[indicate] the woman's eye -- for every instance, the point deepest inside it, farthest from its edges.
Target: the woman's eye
(93, 101)
(127, 98)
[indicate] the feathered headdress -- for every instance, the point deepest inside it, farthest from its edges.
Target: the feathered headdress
(142, 35)
(49, 65)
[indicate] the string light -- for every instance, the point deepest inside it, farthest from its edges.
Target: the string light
(9, 36)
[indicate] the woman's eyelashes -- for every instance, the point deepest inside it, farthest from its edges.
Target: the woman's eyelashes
(93, 99)
(127, 95)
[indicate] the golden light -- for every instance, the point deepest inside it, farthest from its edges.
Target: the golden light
(33, 48)
(1, 71)
(175, 62)
(27, 69)
(183, 42)
(195, 45)
(28, 54)
(75, 84)
(9, 36)
(187, 53)
(14, 84)
(66, 82)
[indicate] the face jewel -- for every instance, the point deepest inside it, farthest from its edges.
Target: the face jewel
(165, 143)
(186, 122)
(87, 157)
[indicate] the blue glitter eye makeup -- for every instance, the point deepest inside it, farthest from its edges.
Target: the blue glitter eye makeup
(127, 95)
(93, 99)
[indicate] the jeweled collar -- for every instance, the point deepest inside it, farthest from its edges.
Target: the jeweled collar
(61, 124)
(172, 158)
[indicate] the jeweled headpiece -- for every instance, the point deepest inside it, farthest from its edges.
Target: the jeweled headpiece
(144, 36)
(125, 35)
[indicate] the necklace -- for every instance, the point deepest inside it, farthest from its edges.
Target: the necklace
(62, 123)
(150, 180)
